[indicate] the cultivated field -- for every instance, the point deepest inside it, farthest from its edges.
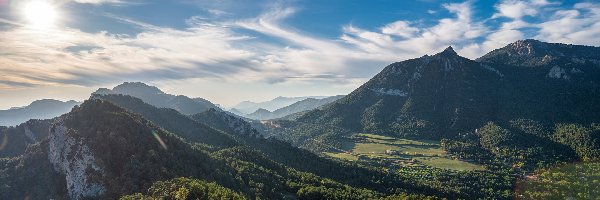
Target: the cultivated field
(399, 151)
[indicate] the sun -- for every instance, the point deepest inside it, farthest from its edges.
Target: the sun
(40, 14)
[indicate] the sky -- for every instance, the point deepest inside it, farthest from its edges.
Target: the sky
(229, 51)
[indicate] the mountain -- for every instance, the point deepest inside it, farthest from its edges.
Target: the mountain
(429, 96)
(154, 96)
(248, 107)
(102, 151)
(300, 106)
(236, 112)
(171, 120)
(14, 140)
(555, 83)
(261, 113)
(530, 96)
(534, 53)
(40, 109)
(98, 150)
(226, 122)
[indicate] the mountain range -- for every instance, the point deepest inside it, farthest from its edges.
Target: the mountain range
(154, 96)
(247, 107)
(521, 99)
(298, 107)
(527, 106)
(40, 109)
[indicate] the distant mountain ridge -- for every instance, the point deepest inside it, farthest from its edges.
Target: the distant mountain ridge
(300, 106)
(247, 107)
(156, 97)
(40, 109)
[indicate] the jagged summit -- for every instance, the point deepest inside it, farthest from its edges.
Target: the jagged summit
(448, 51)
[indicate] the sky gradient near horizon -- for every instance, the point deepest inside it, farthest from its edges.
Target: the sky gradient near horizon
(229, 51)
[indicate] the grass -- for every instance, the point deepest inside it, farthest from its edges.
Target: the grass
(450, 164)
(425, 152)
(571, 181)
(344, 156)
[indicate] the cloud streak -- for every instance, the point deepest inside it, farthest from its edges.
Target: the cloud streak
(266, 49)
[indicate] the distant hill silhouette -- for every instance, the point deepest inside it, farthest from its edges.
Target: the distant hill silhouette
(40, 109)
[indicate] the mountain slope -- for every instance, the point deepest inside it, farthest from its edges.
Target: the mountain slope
(14, 140)
(548, 82)
(431, 96)
(536, 103)
(225, 122)
(257, 150)
(99, 150)
(172, 121)
(300, 106)
(154, 96)
(40, 109)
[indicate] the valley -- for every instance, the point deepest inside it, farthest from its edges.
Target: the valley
(398, 152)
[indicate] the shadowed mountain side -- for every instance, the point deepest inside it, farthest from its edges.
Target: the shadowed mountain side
(154, 96)
(171, 120)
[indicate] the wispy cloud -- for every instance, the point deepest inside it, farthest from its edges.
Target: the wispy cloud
(266, 49)
(580, 25)
(416, 41)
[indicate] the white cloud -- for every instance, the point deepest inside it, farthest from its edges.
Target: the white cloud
(43, 58)
(517, 9)
(400, 28)
(460, 31)
(580, 25)
(508, 31)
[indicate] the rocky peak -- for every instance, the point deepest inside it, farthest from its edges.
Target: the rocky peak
(528, 47)
(448, 52)
(533, 53)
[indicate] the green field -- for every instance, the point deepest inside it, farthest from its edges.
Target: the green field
(345, 156)
(405, 152)
(571, 181)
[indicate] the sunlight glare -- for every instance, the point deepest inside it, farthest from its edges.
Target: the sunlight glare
(40, 14)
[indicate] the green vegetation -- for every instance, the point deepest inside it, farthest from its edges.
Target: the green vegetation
(442, 127)
(571, 181)
(185, 188)
(399, 151)
(344, 156)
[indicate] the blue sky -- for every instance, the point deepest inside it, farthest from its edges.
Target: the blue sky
(229, 51)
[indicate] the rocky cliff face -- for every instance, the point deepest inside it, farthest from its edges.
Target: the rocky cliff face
(73, 158)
